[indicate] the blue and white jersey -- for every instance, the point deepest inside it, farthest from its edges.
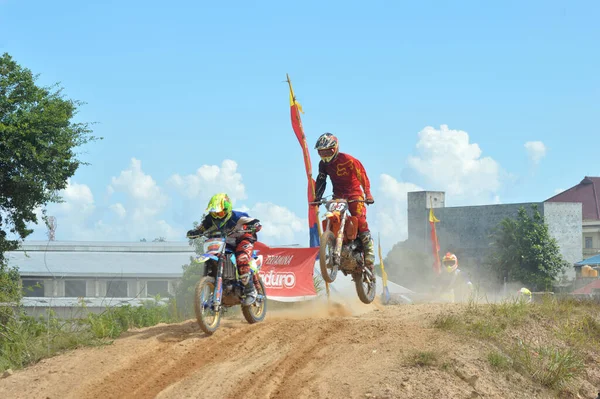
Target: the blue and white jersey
(236, 221)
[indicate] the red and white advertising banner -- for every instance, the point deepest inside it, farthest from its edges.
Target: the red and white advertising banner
(288, 272)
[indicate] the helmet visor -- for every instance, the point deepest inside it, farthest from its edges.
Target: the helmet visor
(327, 153)
(218, 214)
(448, 262)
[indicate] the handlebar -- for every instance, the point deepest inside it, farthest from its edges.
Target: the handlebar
(323, 201)
(220, 234)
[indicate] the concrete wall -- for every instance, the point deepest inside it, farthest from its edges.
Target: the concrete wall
(466, 230)
(564, 224)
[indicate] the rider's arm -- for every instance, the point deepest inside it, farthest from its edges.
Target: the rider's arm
(321, 182)
(361, 175)
(204, 226)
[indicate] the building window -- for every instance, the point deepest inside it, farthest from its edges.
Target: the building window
(116, 289)
(75, 288)
(33, 288)
(589, 243)
(158, 288)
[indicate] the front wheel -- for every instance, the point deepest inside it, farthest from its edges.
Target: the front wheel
(258, 310)
(207, 318)
(365, 288)
(329, 268)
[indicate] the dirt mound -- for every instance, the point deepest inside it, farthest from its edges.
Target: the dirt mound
(318, 350)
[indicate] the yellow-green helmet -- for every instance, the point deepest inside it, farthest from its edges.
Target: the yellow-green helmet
(219, 207)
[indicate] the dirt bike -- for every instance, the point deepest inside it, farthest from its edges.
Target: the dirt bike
(342, 249)
(221, 288)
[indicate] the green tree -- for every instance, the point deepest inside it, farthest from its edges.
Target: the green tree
(38, 138)
(523, 251)
(192, 273)
(9, 283)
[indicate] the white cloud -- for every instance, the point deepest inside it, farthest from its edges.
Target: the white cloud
(142, 211)
(558, 191)
(146, 204)
(536, 150)
(78, 198)
(391, 215)
(450, 163)
(280, 225)
(72, 215)
(79, 218)
(119, 210)
(141, 188)
(211, 179)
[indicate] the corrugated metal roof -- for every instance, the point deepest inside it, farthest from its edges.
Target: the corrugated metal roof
(101, 259)
(587, 192)
(105, 246)
(594, 260)
(99, 264)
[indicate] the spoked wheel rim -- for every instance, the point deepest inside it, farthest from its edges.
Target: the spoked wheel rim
(209, 316)
(258, 307)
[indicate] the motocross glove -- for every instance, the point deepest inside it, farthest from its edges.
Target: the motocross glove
(195, 233)
(253, 227)
(370, 200)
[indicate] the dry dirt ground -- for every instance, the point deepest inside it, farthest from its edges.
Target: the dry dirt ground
(322, 351)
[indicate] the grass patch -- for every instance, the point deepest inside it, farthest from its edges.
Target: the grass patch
(552, 367)
(570, 327)
(485, 321)
(25, 340)
(498, 361)
(448, 321)
(423, 359)
(583, 332)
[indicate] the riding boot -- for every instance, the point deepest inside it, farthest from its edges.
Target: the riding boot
(249, 290)
(369, 249)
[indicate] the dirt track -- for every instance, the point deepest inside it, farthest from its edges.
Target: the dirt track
(324, 352)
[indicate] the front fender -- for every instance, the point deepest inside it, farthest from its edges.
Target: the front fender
(205, 257)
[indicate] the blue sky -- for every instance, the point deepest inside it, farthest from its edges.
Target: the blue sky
(184, 84)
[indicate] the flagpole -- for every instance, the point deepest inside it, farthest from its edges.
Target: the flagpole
(308, 172)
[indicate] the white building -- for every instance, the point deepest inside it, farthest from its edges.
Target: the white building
(62, 274)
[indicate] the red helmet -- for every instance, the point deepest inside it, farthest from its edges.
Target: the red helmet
(450, 262)
(327, 146)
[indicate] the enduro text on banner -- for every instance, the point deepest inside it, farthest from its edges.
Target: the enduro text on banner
(288, 272)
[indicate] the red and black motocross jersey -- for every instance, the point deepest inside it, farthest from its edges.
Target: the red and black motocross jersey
(347, 176)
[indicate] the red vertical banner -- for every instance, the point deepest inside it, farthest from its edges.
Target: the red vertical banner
(435, 246)
(295, 110)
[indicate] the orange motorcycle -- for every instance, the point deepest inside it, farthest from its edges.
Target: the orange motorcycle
(341, 249)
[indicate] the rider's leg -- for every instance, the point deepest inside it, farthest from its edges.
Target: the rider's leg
(359, 210)
(243, 255)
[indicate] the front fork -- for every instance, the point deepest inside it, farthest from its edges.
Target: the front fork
(337, 253)
(218, 286)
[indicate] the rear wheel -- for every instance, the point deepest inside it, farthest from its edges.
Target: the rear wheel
(258, 310)
(365, 288)
(207, 318)
(328, 267)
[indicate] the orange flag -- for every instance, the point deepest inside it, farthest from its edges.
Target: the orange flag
(434, 242)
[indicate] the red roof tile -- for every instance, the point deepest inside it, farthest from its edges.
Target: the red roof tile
(587, 289)
(587, 192)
